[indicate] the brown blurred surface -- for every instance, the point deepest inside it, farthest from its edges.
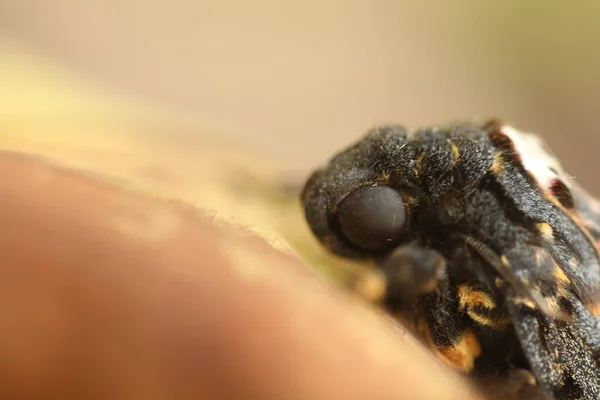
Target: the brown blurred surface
(106, 293)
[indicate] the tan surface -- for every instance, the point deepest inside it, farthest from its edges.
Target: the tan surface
(109, 294)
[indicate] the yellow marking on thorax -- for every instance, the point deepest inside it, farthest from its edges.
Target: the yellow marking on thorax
(526, 302)
(497, 164)
(419, 165)
(545, 230)
(562, 280)
(455, 151)
(560, 275)
(469, 297)
(497, 323)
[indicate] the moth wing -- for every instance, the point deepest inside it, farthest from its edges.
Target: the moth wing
(577, 222)
(559, 335)
(562, 355)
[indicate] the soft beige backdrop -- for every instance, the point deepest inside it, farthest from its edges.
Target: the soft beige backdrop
(294, 81)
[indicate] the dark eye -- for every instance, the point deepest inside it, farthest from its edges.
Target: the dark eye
(372, 217)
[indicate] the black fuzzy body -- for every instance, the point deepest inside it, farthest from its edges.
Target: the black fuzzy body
(520, 283)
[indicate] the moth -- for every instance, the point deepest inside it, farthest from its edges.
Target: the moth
(488, 247)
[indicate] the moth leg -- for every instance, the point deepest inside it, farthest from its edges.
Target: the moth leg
(411, 270)
(418, 289)
(400, 277)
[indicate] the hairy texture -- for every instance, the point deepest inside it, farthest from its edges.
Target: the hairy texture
(520, 287)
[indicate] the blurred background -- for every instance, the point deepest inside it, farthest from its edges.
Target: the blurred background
(289, 83)
(213, 101)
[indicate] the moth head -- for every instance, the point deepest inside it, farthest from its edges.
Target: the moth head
(348, 204)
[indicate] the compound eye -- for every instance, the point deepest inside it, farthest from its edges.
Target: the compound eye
(372, 217)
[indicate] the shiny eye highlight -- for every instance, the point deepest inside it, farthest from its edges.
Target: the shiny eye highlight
(372, 217)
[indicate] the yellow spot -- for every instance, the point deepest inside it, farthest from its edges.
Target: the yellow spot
(545, 230)
(563, 282)
(419, 164)
(560, 275)
(498, 323)
(497, 164)
(480, 319)
(455, 151)
(469, 297)
(461, 355)
(563, 291)
(526, 302)
(594, 308)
